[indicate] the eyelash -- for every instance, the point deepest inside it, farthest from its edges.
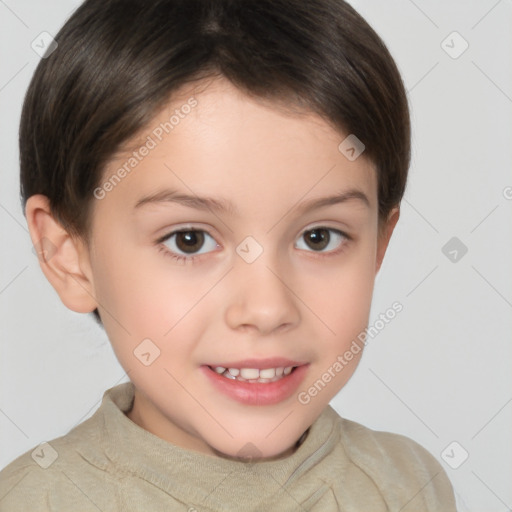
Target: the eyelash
(178, 257)
(193, 258)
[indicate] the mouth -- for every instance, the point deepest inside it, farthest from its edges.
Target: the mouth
(257, 382)
(254, 375)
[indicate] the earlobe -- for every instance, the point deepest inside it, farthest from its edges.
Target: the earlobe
(60, 256)
(385, 235)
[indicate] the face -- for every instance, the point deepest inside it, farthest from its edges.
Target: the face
(217, 248)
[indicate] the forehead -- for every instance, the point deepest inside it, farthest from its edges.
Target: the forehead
(213, 140)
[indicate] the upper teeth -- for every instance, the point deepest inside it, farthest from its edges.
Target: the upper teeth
(255, 373)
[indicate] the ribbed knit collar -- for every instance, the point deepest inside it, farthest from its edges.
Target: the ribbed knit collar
(215, 482)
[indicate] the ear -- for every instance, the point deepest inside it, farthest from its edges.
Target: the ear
(63, 259)
(385, 232)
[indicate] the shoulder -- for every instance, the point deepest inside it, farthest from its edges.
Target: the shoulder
(367, 446)
(50, 476)
(404, 472)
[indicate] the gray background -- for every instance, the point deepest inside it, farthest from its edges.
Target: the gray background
(440, 371)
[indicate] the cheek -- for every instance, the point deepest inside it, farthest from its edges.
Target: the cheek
(132, 294)
(144, 295)
(342, 301)
(341, 293)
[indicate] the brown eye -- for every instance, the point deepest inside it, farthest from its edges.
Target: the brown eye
(321, 238)
(189, 241)
(317, 238)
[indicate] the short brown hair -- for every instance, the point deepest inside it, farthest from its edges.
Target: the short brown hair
(119, 61)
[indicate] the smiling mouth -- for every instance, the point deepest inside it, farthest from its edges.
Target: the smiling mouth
(253, 375)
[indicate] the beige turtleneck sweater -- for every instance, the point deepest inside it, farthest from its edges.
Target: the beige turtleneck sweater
(108, 463)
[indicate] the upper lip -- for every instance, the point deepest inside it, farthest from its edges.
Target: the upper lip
(260, 364)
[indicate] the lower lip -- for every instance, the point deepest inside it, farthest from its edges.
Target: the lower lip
(258, 393)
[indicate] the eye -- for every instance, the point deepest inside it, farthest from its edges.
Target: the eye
(321, 238)
(189, 242)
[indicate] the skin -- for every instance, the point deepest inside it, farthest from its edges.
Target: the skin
(293, 301)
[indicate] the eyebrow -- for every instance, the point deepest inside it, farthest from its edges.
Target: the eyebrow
(225, 206)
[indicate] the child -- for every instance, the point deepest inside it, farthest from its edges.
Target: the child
(217, 181)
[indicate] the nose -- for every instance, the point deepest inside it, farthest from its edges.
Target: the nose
(261, 298)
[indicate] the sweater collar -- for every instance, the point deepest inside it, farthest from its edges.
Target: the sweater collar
(194, 477)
